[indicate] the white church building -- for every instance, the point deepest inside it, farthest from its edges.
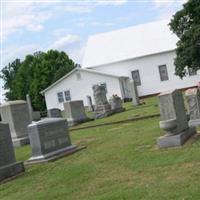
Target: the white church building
(144, 53)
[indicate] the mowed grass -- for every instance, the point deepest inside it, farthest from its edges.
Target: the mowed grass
(121, 162)
(149, 107)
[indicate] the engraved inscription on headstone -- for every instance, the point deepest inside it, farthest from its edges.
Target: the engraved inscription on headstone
(166, 107)
(48, 138)
(193, 101)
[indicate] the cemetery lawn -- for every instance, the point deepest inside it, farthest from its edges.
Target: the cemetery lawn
(120, 162)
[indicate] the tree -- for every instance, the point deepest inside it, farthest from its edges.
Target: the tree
(186, 25)
(8, 75)
(34, 74)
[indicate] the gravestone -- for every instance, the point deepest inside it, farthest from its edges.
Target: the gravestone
(134, 93)
(174, 119)
(8, 165)
(16, 114)
(54, 113)
(49, 140)
(34, 115)
(193, 100)
(102, 107)
(89, 104)
(116, 104)
(74, 112)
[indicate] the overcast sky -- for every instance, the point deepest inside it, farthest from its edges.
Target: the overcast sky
(40, 25)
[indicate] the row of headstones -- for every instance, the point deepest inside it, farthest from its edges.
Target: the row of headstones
(75, 113)
(49, 140)
(49, 137)
(103, 107)
(177, 124)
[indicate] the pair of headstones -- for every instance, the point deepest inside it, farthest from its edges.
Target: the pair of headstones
(103, 108)
(174, 119)
(49, 140)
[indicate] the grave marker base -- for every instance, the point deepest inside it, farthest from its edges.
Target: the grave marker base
(11, 170)
(175, 140)
(20, 141)
(194, 123)
(54, 155)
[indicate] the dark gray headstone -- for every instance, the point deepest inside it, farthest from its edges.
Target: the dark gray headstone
(8, 165)
(49, 138)
(16, 114)
(74, 112)
(54, 113)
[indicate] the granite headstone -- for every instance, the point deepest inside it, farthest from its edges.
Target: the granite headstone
(49, 140)
(54, 113)
(174, 120)
(193, 101)
(116, 104)
(134, 93)
(89, 104)
(34, 115)
(16, 114)
(74, 112)
(8, 165)
(102, 107)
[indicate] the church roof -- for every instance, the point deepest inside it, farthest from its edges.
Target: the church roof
(81, 70)
(128, 43)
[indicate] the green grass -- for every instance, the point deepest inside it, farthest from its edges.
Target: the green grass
(121, 162)
(149, 107)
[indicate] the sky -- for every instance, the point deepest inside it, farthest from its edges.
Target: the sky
(29, 26)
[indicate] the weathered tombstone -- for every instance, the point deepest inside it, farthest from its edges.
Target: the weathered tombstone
(74, 112)
(89, 103)
(102, 107)
(134, 93)
(34, 115)
(16, 114)
(49, 140)
(54, 113)
(174, 119)
(8, 165)
(193, 100)
(116, 104)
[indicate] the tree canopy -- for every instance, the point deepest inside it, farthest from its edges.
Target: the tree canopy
(34, 74)
(186, 25)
